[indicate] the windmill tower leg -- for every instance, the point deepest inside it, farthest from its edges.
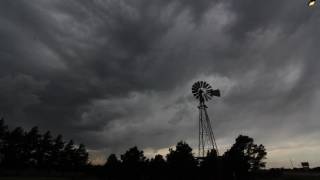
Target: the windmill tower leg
(206, 136)
(200, 130)
(210, 132)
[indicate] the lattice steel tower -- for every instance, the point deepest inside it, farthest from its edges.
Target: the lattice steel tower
(204, 92)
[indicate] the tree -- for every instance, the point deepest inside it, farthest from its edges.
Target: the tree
(113, 167)
(133, 157)
(13, 152)
(112, 161)
(133, 163)
(244, 156)
(181, 162)
(210, 160)
(158, 162)
(20, 149)
(45, 150)
(68, 155)
(181, 157)
(81, 156)
(31, 145)
(57, 152)
(157, 168)
(3, 129)
(210, 165)
(3, 134)
(259, 154)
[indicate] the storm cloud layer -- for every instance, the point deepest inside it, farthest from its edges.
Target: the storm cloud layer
(116, 73)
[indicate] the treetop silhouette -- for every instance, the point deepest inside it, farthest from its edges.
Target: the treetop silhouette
(20, 150)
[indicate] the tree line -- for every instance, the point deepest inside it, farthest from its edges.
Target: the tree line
(241, 161)
(20, 149)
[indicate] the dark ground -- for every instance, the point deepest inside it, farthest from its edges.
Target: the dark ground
(285, 176)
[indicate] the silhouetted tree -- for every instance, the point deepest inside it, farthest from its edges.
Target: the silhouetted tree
(81, 157)
(44, 151)
(181, 161)
(31, 145)
(133, 163)
(57, 152)
(3, 129)
(3, 134)
(210, 165)
(157, 168)
(258, 155)
(133, 157)
(181, 157)
(113, 162)
(158, 162)
(68, 155)
(20, 149)
(244, 156)
(14, 149)
(113, 167)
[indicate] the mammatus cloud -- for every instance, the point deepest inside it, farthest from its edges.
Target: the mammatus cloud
(113, 74)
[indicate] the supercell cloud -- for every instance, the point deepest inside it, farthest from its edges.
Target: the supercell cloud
(113, 74)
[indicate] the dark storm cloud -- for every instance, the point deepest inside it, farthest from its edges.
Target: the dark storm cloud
(293, 28)
(117, 73)
(80, 51)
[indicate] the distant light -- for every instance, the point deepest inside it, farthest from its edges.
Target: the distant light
(311, 3)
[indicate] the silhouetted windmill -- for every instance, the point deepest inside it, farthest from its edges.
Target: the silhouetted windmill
(204, 92)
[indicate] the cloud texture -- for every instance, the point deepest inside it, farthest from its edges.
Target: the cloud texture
(118, 73)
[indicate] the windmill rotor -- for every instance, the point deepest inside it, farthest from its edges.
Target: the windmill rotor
(203, 91)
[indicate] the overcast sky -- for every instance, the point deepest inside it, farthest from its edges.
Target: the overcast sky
(117, 73)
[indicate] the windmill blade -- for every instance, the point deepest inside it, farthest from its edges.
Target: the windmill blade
(195, 85)
(194, 88)
(206, 85)
(207, 97)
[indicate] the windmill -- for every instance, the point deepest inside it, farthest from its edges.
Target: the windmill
(204, 92)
